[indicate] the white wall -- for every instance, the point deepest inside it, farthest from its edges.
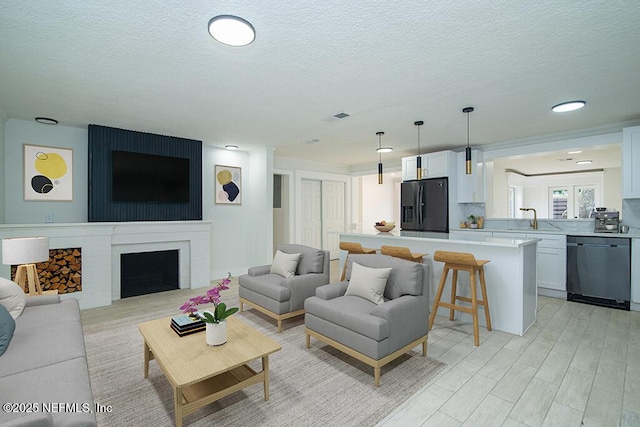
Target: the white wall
(17, 210)
(379, 201)
(241, 235)
(612, 196)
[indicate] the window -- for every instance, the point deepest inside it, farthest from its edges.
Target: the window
(577, 201)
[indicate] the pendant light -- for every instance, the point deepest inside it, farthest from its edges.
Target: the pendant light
(379, 150)
(419, 158)
(468, 110)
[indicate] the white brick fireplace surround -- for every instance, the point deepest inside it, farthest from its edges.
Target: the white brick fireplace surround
(102, 244)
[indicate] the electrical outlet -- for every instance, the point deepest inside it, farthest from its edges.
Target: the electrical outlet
(48, 218)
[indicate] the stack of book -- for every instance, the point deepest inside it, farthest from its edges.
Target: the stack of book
(185, 324)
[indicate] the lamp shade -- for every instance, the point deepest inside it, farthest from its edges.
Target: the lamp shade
(25, 250)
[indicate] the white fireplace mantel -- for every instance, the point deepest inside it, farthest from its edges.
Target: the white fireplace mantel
(102, 244)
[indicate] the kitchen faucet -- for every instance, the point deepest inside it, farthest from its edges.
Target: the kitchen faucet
(533, 224)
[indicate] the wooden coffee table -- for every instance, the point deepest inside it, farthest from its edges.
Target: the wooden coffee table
(201, 374)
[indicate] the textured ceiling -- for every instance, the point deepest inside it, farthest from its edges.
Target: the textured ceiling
(151, 66)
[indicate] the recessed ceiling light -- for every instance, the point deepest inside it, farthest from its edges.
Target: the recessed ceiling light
(574, 152)
(341, 115)
(568, 106)
(384, 149)
(583, 162)
(46, 121)
(232, 30)
(231, 147)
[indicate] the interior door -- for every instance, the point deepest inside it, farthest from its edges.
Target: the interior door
(333, 216)
(312, 213)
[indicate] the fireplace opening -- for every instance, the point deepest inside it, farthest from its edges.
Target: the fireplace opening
(144, 273)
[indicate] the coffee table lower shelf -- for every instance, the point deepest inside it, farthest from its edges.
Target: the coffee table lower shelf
(197, 395)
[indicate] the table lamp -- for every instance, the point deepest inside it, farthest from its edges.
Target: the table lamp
(25, 252)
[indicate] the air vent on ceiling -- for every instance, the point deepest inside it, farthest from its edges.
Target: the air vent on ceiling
(341, 115)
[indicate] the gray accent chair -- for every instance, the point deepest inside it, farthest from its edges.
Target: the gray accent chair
(373, 334)
(282, 298)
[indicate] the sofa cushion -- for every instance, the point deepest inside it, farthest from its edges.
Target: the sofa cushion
(12, 297)
(311, 259)
(45, 345)
(34, 317)
(350, 312)
(7, 326)
(269, 285)
(284, 264)
(404, 281)
(64, 382)
(368, 283)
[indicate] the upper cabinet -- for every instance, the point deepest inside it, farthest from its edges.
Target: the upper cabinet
(434, 165)
(631, 163)
(471, 187)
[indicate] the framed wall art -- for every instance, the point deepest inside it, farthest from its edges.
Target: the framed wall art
(228, 189)
(48, 173)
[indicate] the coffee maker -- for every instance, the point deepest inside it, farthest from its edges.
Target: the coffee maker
(606, 221)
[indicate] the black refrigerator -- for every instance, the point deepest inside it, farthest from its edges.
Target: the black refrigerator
(425, 205)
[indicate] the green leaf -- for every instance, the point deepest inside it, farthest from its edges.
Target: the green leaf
(220, 309)
(228, 313)
(208, 317)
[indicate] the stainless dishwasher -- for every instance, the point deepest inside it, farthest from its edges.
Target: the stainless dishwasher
(599, 271)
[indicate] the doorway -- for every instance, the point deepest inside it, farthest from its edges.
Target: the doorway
(323, 214)
(281, 210)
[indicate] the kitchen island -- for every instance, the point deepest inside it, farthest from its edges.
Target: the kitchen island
(510, 276)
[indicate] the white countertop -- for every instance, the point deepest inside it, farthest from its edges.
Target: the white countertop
(477, 239)
(629, 235)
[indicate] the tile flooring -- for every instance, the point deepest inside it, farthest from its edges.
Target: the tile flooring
(578, 365)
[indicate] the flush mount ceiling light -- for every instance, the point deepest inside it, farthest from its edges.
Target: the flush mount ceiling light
(565, 107)
(231, 147)
(584, 162)
(46, 121)
(232, 30)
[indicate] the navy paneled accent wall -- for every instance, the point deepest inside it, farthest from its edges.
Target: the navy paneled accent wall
(103, 141)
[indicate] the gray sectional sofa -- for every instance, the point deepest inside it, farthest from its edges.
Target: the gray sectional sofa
(45, 368)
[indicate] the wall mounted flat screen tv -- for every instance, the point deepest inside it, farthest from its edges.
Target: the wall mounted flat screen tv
(139, 177)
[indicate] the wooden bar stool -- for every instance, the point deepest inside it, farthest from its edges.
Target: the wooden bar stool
(353, 248)
(461, 261)
(401, 252)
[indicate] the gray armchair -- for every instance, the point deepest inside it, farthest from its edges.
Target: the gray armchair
(374, 334)
(279, 297)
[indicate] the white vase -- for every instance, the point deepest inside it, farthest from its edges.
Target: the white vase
(216, 333)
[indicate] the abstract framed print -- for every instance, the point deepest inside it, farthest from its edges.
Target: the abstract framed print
(48, 173)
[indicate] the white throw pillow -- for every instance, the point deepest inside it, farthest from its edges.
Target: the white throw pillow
(12, 297)
(285, 264)
(368, 283)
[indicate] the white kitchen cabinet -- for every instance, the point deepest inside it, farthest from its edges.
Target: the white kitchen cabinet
(631, 163)
(434, 165)
(471, 187)
(551, 261)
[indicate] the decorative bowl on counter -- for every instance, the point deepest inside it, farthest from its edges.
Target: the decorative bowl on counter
(385, 226)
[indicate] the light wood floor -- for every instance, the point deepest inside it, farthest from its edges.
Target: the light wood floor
(578, 365)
